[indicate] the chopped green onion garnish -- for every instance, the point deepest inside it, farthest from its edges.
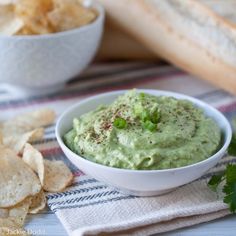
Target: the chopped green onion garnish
(149, 125)
(142, 95)
(155, 117)
(145, 116)
(138, 109)
(120, 123)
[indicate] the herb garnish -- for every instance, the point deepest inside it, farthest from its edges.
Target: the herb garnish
(148, 120)
(232, 146)
(144, 116)
(149, 125)
(155, 117)
(142, 95)
(120, 123)
(228, 178)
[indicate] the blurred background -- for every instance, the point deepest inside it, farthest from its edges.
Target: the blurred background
(45, 44)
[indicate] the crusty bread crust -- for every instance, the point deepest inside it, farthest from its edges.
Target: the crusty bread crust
(180, 31)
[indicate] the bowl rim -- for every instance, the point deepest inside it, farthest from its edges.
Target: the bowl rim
(220, 152)
(99, 19)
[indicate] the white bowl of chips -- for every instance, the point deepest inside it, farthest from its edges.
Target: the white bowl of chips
(44, 62)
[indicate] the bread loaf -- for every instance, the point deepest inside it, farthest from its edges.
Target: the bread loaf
(188, 33)
(225, 8)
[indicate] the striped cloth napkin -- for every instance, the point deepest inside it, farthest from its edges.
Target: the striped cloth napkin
(90, 207)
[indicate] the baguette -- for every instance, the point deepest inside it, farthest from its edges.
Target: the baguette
(225, 8)
(187, 33)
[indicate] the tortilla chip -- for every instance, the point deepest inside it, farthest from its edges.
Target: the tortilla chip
(9, 23)
(30, 17)
(16, 215)
(54, 175)
(17, 141)
(25, 31)
(38, 203)
(68, 15)
(33, 14)
(34, 159)
(25, 128)
(31, 120)
(17, 180)
(57, 176)
(14, 218)
(19, 213)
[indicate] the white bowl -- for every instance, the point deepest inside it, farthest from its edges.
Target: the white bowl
(43, 63)
(141, 182)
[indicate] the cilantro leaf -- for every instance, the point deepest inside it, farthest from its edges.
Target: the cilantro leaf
(232, 146)
(229, 176)
(230, 196)
(231, 173)
(229, 189)
(215, 181)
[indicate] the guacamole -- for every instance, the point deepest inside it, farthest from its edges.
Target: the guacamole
(144, 132)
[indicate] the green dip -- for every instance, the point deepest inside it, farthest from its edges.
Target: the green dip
(144, 132)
